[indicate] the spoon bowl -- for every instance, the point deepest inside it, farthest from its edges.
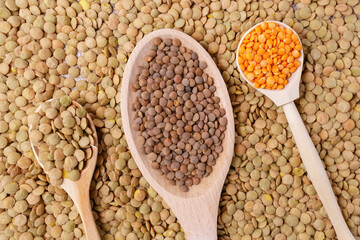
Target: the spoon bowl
(290, 92)
(196, 209)
(79, 190)
(308, 152)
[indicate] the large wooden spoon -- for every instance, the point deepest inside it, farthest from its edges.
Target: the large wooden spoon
(196, 209)
(79, 190)
(308, 153)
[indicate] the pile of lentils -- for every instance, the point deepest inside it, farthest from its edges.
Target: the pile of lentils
(80, 48)
(62, 137)
(180, 122)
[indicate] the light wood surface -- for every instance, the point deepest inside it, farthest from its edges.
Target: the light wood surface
(79, 190)
(196, 209)
(309, 155)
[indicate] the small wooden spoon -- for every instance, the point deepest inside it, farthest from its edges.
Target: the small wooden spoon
(308, 152)
(196, 209)
(79, 190)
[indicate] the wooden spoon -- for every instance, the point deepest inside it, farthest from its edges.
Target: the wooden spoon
(196, 209)
(308, 152)
(79, 190)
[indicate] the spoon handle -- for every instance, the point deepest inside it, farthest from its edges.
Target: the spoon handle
(81, 197)
(198, 215)
(316, 171)
(212, 237)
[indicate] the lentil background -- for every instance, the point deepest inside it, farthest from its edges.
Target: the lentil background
(46, 44)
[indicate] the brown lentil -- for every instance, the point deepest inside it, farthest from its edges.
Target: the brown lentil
(180, 122)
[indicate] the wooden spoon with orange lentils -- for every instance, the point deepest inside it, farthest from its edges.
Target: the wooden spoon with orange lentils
(268, 55)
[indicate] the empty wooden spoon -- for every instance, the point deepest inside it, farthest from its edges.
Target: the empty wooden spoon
(79, 190)
(308, 153)
(196, 209)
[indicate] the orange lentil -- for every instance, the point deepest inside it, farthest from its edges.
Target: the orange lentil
(264, 25)
(298, 47)
(262, 80)
(263, 63)
(282, 35)
(249, 45)
(296, 53)
(268, 55)
(281, 51)
(249, 56)
(268, 68)
(290, 59)
(287, 40)
(257, 72)
(271, 25)
(262, 38)
(285, 71)
(287, 48)
(275, 69)
(250, 76)
(261, 51)
(293, 69)
(257, 58)
(241, 50)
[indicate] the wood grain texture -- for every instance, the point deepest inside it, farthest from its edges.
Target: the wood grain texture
(196, 209)
(308, 153)
(79, 190)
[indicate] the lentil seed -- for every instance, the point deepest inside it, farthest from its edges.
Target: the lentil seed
(33, 70)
